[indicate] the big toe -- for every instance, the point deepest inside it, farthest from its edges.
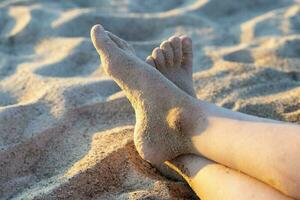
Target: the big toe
(187, 51)
(102, 42)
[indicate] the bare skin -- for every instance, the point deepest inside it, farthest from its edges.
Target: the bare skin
(180, 124)
(208, 179)
(174, 59)
(212, 181)
(159, 126)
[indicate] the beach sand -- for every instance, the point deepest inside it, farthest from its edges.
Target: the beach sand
(66, 129)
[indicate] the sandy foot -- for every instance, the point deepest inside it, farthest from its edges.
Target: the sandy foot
(56, 102)
(158, 126)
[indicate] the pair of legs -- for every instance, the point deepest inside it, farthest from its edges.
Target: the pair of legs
(172, 126)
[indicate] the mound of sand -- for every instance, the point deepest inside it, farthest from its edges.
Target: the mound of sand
(66, 129)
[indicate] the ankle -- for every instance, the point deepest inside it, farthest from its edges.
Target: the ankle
(188, 119)
(168, 129)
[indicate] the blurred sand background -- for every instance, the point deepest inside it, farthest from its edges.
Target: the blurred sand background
(66, 129)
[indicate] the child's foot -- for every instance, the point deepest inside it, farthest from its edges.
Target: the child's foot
(164, 113)
(174, 59)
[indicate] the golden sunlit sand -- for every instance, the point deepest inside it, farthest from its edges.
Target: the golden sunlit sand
(66, 130)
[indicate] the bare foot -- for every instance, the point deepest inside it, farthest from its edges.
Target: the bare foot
(174, 59)
(163, 111)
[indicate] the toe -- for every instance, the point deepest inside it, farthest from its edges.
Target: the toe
(168, 52)
(177, 49)
(150, 61)
(187, 51)
(159, 58)
(102, 42)
(120, 42)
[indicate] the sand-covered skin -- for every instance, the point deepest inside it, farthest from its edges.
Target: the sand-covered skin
(164, 113)
(66, 130)
(174, 59)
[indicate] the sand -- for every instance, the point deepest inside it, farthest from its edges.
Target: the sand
(66, 129)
